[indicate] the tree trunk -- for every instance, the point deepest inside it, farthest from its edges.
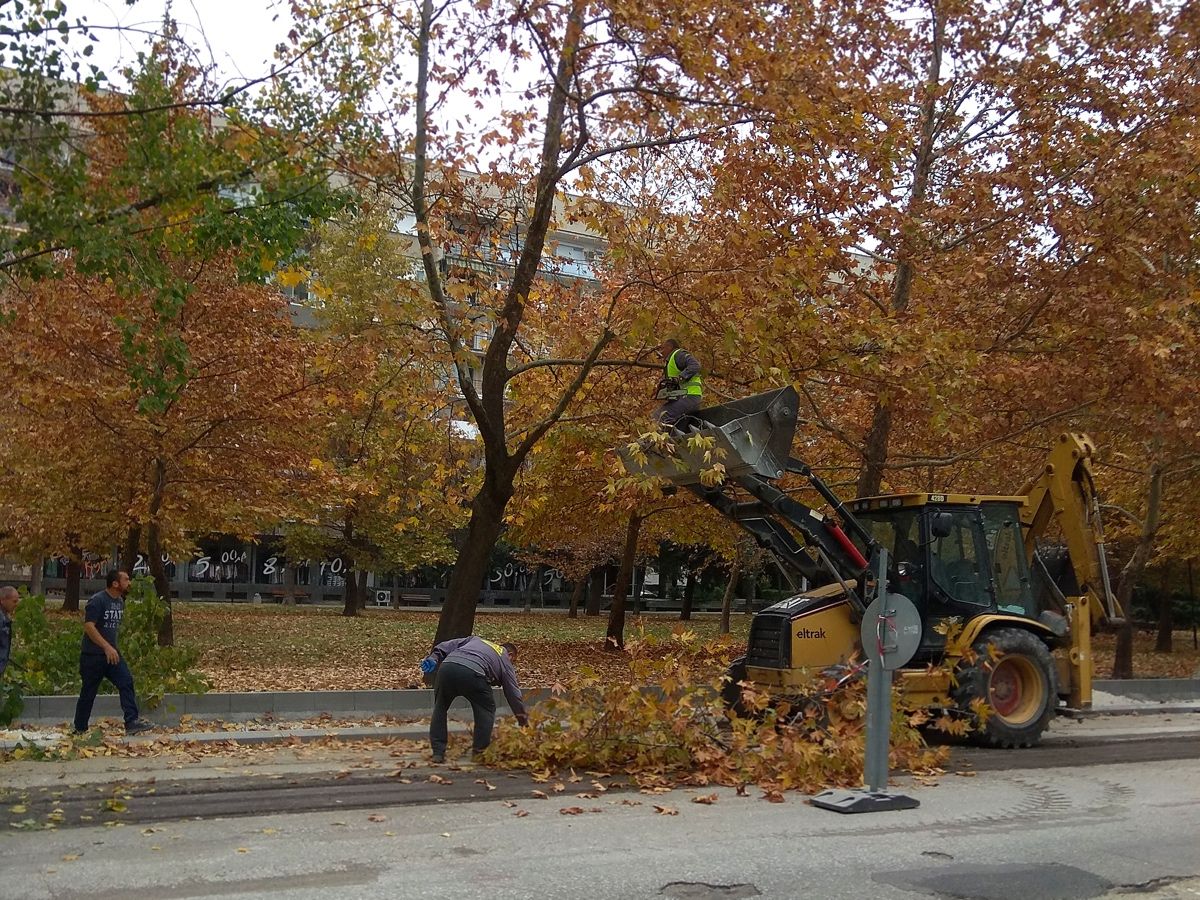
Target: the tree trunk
(1192, 604)
(530, 586)
(576, 595)
(595, 595)
(615, 638)
(751, 593)
(129, 554)
(289, 583)
(875, 450)
(1166, 617)
(37, 575)
(74, 575)
(487, 403)
(735, 575)
(349, 582)
(154, 555)
(158, 571)
(362, 588)
(689, 596)
(1123, 656)
(462, 595)
(350, 593)
(875, 447)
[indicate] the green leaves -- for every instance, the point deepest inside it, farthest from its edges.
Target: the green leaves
(46, 648)
(145, 187)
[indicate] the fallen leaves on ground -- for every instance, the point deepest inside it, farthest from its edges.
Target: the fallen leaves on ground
(666, 810)
(269, 648)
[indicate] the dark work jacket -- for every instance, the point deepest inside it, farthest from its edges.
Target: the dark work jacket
(490, 661)
(689, 366)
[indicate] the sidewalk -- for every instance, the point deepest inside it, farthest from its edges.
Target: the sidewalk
(1093, 728)
(1137, 696)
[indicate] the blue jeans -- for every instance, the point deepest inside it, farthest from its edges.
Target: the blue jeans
(93, 670)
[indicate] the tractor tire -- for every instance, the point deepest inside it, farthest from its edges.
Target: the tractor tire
(1020, 687)
(731, 690)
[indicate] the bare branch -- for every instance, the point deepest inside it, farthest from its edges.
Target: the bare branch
(535, 434)
(616, 363)
(942, 461)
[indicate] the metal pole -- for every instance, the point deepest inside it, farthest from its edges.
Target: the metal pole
(879, 694)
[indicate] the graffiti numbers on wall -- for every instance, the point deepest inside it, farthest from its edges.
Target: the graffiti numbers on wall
(141, 567)
(516, 577)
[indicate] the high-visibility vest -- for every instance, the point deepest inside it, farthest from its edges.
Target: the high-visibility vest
(692, 385)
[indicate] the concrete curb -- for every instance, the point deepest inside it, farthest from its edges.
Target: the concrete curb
(239, 707)
(1102, 711)
(416, 732)
(242, 706)
(1154, 689)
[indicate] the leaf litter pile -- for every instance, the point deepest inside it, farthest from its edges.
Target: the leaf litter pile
(678, 734)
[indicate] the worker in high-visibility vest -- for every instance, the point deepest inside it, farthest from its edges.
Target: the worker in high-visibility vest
(680, 388)
(468, 667)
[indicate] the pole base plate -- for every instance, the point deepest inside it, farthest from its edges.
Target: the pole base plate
(862, 801)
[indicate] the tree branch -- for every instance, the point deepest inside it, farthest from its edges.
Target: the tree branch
(535, 433)
(616, 363)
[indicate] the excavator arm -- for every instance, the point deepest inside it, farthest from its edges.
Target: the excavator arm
(751, 439)
(1065, 492)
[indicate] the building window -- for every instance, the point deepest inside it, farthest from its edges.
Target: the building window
(297, 293)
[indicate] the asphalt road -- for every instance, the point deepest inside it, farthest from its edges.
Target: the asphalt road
(1033, 834)
(1106, 808)
(139, 800)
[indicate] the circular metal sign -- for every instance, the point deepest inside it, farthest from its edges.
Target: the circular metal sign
(891, 631)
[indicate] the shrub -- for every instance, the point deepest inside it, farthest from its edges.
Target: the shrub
(46, 653)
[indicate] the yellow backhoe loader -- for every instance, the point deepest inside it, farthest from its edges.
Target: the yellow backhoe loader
(967, 561)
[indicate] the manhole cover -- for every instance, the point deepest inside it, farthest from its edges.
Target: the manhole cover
(700, 890)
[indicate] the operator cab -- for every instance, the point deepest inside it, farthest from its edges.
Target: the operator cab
(956, 556)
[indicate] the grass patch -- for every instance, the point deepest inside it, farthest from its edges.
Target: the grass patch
(259, 648)
(262, 648)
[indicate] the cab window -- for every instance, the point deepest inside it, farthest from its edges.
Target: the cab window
(899, 532)
(955, 561)
(1010, 571)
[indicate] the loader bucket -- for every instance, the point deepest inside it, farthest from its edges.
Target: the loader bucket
(752, 436)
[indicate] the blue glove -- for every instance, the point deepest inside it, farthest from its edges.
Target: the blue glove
(428, 665)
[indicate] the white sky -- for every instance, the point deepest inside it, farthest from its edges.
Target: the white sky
(238, 35)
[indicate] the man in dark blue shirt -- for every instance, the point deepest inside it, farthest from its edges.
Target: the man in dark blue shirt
(99, 658)
(468, 667)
